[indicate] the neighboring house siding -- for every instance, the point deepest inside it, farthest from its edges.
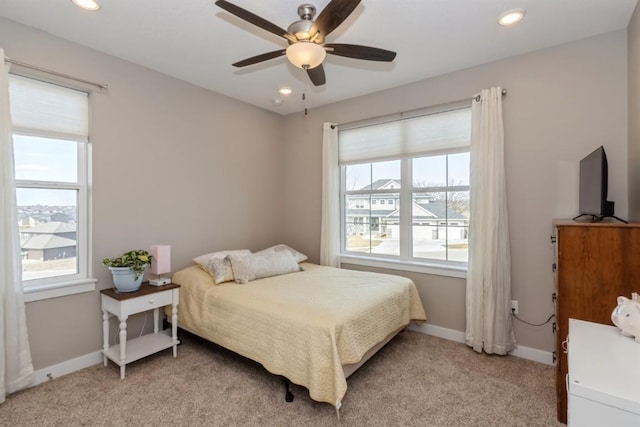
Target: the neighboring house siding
(378, 215)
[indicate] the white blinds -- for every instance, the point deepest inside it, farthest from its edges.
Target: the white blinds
(406, 137)
(45, 109)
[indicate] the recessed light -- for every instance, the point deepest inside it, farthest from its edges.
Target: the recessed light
(511, 17)
(87, 4)
(276, 102)
(285, 91)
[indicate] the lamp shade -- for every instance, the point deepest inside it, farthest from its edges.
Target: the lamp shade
(305, 54)
(161, 259)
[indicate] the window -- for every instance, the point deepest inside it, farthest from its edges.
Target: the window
(50, 141)
(440, 191)
(417, 168)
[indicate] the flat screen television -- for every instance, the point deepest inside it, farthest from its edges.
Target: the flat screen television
(593, 187)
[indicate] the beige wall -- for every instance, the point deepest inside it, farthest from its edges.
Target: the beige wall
(562, 103)
(633, 37)
(171, 165)
(192, 148)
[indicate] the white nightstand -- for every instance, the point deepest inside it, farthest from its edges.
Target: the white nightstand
(122, 305)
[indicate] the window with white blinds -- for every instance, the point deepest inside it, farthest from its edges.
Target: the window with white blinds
(40, 108)
(406, 137)
(405, 190)
(51, 154)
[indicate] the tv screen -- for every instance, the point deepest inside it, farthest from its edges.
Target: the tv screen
(594, 185)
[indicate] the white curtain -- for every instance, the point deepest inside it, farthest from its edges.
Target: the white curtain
(330, 228)
(16, 369)
(488, 294)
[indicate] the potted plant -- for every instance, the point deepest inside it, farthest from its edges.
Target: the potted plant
(128, 269)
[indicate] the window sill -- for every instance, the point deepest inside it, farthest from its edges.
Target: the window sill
(60, 289)
(404, 265)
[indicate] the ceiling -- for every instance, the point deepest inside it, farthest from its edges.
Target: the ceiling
(196, 41)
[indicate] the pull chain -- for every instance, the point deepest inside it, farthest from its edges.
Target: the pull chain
(304, 100)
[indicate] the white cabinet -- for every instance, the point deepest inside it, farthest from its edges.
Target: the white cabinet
(603, 383)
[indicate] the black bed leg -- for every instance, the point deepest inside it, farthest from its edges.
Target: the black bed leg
(288, 396)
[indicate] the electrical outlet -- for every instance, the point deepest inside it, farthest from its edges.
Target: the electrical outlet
(514, 306)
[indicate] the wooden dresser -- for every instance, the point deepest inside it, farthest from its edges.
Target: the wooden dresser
(595, 263)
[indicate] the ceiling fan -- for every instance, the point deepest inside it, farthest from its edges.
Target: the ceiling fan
(307, 48)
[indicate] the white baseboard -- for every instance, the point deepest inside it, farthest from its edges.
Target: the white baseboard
(523, 352)
(438, 331)
(67, 367)
(534, 354)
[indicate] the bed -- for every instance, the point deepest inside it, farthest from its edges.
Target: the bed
(313, 327)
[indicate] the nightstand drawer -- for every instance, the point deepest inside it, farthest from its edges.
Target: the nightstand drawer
(147, 302)
(138, 304)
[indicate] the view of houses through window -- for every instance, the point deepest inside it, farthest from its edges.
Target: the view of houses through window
(47, 187)
(439, 207)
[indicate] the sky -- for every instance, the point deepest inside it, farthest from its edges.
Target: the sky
(42, 160)
(431, 171)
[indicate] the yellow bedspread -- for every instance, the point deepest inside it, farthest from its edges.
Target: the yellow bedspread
(304, 325)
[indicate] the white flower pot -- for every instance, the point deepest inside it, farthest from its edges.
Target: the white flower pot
(124, 279)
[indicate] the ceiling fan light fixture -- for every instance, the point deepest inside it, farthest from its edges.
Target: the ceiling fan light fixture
(511, 17)
(301, 29)
(91, 5)
(306, 55)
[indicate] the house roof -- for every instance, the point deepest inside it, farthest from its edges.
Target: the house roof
(53, 227)
(439, 209)
(383, 183)
(48, 241)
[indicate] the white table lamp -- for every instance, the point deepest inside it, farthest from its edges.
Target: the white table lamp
(161, 264)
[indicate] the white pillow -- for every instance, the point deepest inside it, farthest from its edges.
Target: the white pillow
(218, 266)
(256, 266)
(298, 256)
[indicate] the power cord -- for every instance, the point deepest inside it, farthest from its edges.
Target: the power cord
(116, 335)
(143, 323)
(533, 324)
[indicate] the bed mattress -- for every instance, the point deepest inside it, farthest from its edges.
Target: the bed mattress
(305, 325)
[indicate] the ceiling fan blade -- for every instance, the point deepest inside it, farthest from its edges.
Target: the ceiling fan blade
(360, 52)
(331, 17)
(260, 58)
(255, 20)
(317, 75)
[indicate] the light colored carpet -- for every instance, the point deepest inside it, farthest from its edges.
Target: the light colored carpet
(416, 380)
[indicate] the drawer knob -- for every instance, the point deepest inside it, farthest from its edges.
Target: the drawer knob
(150, 301)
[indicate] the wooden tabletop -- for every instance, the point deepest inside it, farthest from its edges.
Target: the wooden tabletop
(145, 289)
(607, 222)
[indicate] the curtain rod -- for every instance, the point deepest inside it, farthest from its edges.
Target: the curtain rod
(55, 73)
(476, 98)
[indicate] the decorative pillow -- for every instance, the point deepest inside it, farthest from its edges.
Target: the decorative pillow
(298, 256)
(218, 266)
(256, 266)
